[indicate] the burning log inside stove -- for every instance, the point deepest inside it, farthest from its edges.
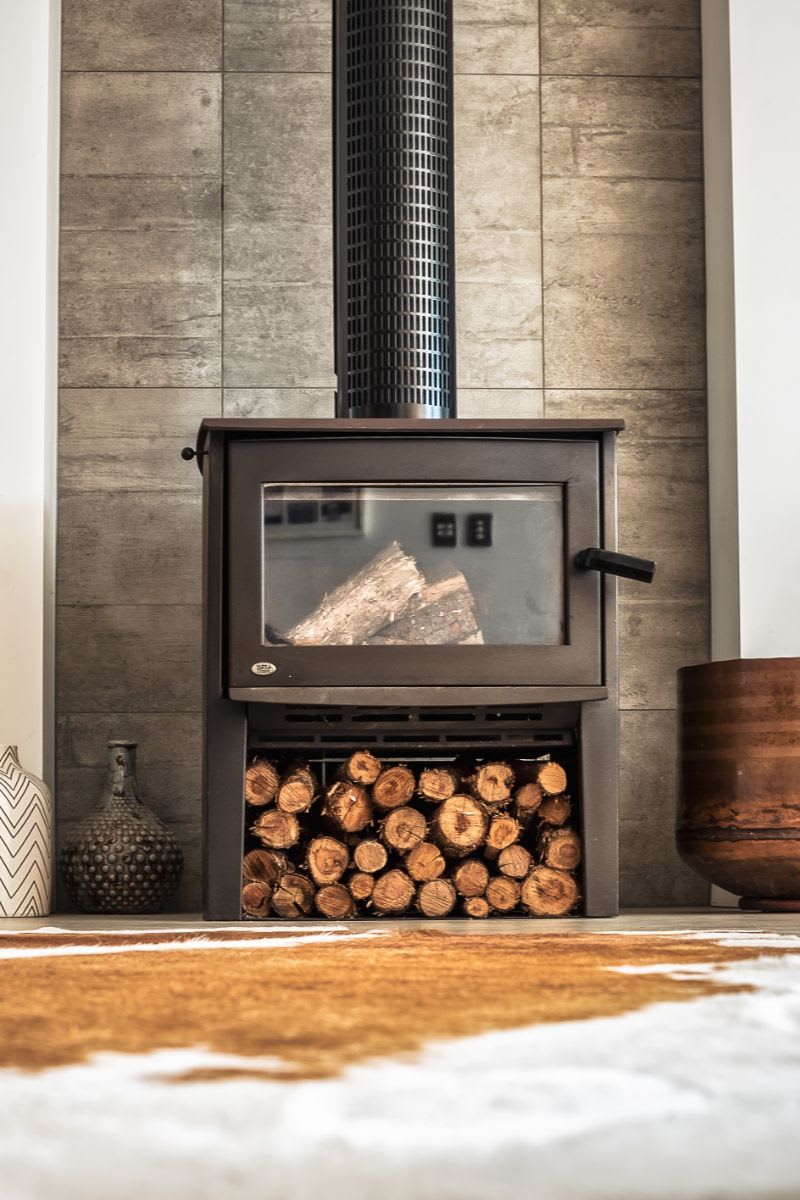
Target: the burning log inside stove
(384, 840)
(389, 602)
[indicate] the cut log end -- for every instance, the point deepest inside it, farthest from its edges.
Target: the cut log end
(515, 862)
(502, 893)
(493, 782)
(335, 902)
(471, 877)
(460, 825)
(362, 767)
(370, 856)
(437, 784)
(549, 893)
(297, 790)
(393, 892)
(403, 829)
(327, 860)
(527, 799)
(264, 866)
(349, 806)
(256, 899)
(552, 778)
(475, 906)
(555, 810)
(436, 898)
(261, 783)
(294, 896)
(393, 788)
(559, 848)
(503, 831)
(276, 830)
(425, 862)
(361, 885)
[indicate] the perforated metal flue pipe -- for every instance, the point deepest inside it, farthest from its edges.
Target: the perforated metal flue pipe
(393, 200)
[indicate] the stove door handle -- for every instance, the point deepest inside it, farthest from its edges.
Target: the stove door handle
(610, 563)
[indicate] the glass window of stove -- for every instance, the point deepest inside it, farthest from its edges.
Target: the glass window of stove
(399, 565)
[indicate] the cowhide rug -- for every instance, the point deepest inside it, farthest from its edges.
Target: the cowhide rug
(292, 1062)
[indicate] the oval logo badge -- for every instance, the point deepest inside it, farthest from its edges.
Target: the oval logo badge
(263, 668)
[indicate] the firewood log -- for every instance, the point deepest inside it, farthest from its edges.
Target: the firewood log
(502, 893)
(361, 885)
(261, 783)
(425, 862)
(403, 829)
(549, 893)
(437, 783)
(459, 825)
(297, 790)
(256, 899)
(370, 856)
(362, 767)
(527, 799)
(376, 595)
(552, 778)
(503, 831)
(335, 902)
(470, 877)
(555, 810)
(264, 866)
(514, 861)
(327, 859)
(492, 783)
(276, 830)
(393, 788)
(475, 906)
(559, 847)
(436, 898)
(349, 806)
(442, 613)
(293, 896)
(393, 892)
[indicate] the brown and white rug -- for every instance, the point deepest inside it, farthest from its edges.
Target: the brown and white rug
(299, 1061)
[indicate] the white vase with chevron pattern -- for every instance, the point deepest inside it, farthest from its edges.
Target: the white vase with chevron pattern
(26, 840)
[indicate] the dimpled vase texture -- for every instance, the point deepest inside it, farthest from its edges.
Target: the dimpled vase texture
(121, 859)
(26, 840)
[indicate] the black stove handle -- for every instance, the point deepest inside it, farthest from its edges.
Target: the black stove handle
(610, 563)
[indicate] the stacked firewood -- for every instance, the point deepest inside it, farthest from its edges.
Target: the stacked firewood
(471, 838)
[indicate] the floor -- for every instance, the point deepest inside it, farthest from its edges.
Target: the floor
(696, 1100)
(630, 921)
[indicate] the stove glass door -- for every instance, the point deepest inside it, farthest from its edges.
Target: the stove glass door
(413, 565)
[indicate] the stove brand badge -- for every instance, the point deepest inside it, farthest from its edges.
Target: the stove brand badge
(263, 668)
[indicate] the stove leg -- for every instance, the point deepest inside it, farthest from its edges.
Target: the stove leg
(599, 766)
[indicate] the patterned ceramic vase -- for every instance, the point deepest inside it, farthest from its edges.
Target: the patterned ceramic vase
(26, 840)
(121, 859)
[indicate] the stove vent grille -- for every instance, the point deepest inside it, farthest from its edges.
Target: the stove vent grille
(395, 319)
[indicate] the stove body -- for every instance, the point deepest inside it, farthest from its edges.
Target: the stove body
(521, 510)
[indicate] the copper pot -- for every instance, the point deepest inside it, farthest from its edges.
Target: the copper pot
(739, 790)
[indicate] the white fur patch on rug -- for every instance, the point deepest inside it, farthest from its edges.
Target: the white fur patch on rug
(697, 1099)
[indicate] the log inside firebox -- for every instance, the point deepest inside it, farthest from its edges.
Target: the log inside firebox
(496, 843)
(389, 602)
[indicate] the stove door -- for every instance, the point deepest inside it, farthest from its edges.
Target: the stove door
(412, 561)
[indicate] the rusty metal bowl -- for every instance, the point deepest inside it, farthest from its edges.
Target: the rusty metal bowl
(739, 783)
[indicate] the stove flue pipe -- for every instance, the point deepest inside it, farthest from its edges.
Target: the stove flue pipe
(393, 208)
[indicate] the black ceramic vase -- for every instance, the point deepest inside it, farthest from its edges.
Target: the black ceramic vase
(121, 859)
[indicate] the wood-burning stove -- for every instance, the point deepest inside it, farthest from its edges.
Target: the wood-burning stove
(424, 589)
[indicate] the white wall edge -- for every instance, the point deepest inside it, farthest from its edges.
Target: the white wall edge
(50, 497)
(723, 480)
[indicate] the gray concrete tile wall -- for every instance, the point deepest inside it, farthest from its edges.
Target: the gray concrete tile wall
(579, 293)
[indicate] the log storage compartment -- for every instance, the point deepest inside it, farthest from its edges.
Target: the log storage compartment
(364, 834)
(410, 669)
